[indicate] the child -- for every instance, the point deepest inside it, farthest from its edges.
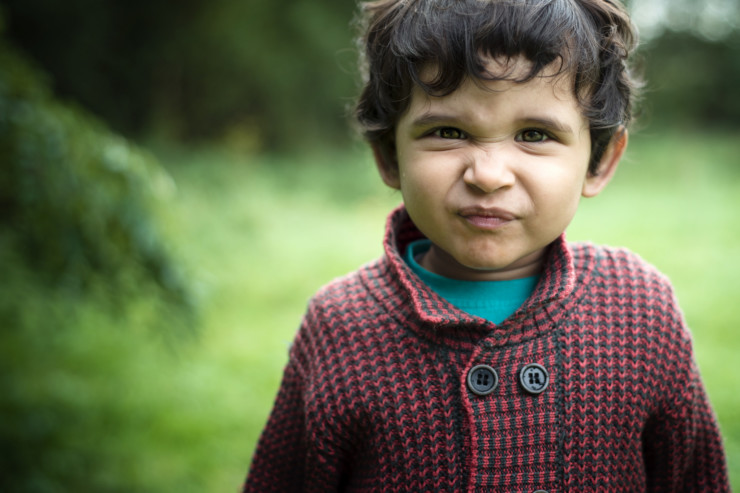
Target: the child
(483, 352)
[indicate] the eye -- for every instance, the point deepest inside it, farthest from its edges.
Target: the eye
(533, 135)
(449, 133)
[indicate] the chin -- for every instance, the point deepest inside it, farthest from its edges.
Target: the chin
(486, 260)
(485, 265)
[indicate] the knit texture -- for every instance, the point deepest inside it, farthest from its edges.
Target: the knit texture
(375, 395)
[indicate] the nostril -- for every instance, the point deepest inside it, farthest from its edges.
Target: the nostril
(488, 174)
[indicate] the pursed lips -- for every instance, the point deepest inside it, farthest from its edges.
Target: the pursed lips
(486, 217)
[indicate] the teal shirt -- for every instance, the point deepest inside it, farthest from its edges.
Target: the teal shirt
(492, 300)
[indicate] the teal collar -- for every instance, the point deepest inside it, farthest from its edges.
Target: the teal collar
(491, 300)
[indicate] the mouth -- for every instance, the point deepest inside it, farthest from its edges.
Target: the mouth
(485, 217)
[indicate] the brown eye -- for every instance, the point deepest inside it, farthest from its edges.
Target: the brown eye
(534, 135)
(449, 133)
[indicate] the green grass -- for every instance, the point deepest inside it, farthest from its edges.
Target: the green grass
(262, 234)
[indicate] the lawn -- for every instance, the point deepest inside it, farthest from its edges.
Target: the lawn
(261, 234)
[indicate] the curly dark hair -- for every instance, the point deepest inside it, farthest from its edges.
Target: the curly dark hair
(590, 40)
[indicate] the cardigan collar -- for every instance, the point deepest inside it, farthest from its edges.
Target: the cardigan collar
(416, 306)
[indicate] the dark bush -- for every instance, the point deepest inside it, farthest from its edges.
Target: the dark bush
(81, 201)
(692, 82)
(255, 74)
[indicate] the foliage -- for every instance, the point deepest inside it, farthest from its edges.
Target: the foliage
(274, 75)
(81, 202)
(698, 74)
(708, 19)
(232, 70)
(91, 401)
(86, 273)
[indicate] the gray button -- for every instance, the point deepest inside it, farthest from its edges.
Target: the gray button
(540, 491)
(534, 378)
(482, 379)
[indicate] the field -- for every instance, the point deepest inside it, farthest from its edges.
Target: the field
(93, 401)
(263, 234)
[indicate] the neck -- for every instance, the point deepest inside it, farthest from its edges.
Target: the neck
(440, 262)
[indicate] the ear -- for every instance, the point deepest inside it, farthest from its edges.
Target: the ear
(608, 164)
(385, 160)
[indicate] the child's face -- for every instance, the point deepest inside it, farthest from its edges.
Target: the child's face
(493, 172)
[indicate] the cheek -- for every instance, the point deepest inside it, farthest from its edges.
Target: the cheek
(556, 196)
(424, 175)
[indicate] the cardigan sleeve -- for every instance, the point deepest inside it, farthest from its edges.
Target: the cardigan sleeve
(278, 462)
(303, 447)
(682, 443)
(683, 448)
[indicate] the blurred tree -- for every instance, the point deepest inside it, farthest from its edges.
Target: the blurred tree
(100, 53)
(711, 19)
(692, 81)
(260, 74)
(79, 201)
(85, 272)
(277, 75)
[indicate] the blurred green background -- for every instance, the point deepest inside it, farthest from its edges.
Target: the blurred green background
(179, 177)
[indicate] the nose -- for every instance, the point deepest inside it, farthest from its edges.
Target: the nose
(489, 169)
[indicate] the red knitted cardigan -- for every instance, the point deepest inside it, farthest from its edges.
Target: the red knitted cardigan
(375, 396)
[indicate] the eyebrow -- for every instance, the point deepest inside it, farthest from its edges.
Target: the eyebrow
(549, 123)
(432, 119)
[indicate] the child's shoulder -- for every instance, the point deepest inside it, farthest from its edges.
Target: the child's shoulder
(350, 306)
(616, 284)
(611, 261)
(619, 273)
(355, 288)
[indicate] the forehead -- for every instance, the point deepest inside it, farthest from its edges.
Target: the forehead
(505, 90)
